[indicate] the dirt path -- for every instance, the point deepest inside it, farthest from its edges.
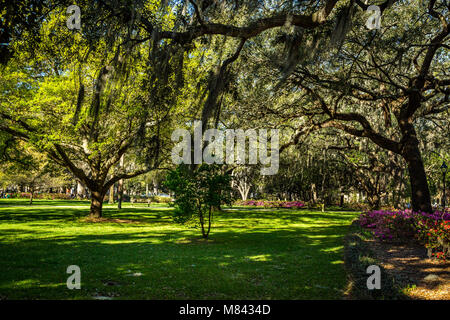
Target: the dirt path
(410, 265)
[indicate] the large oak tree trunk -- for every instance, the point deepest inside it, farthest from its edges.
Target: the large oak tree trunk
(420, 194)
(96, 204)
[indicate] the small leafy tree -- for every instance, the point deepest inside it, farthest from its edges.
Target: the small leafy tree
(198, 192)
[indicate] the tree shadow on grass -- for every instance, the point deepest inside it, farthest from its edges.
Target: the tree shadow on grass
(157, 214)
(41, 203)
(30, 214)
(263, 264)
(247, 256)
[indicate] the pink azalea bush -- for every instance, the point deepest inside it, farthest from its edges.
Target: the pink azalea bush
(293, 204)
(433, 230)
(389, 225)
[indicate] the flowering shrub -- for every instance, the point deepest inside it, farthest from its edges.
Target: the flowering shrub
(433, 230)
(293, 204)
(389, 225)
(271, 204)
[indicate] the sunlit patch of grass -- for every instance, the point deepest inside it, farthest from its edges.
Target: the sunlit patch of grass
(139, 253)
(260, 257)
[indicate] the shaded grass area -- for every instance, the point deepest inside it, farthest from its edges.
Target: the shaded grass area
(252, 253)
(358, 257)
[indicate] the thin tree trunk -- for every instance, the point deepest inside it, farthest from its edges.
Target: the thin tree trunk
(374, 201)
(244, 190)
(81, 192)
(155, 187)
(111, 194)
(313, 193)
(120, 188)
(209, 223)
(205, 234)
(202, 223)
(120, 194)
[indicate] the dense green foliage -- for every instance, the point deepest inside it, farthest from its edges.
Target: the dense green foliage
(198, 193)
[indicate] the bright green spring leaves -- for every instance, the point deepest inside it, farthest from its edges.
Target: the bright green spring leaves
(198, 192)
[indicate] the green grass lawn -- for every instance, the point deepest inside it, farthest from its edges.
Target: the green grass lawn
(252, 253)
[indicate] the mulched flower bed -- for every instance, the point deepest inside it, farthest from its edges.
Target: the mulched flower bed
(411, 247)
(425, 278)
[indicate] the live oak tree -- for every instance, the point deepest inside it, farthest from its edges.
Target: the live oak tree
(399, 71)
(379, 85)
(91, 98)
(87, 105)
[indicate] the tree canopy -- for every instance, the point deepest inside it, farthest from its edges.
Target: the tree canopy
(355, 106)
